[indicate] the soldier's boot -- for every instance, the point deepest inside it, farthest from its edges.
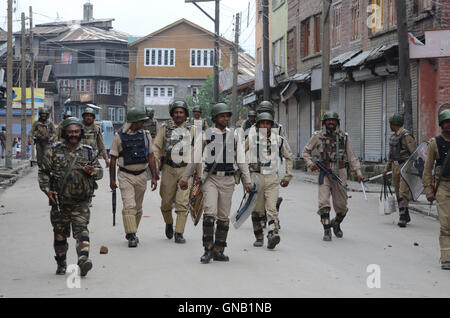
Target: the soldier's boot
(179, 238)
(128, 235)
(221, 240)
(445, 265)
(257, 229)
(279, 200)
(169, 231)
(403, 218)
(407, 217)
(132, 240)
(62, 265)
(207, 238)
(179, 227)
(273, 238)
(336, 225)
(264, 220)
(325, 220)
(85, 266)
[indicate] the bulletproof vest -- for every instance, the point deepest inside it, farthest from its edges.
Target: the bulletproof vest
(150, 125)
(443, 148)
(171, 138)
(330, 152)
(396, 149)
(266, 142)
(134, 148)
(222, 165)
(90, 136)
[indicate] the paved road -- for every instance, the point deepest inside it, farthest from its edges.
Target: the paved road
(302, 265)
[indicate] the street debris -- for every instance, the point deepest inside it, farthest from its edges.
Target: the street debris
(103, 250)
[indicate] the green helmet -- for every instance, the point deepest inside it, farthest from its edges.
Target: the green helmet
(88, 110)
(220, 108)
(178, 104)
(251, 112)
(136, 114)
(330, 115)
(264, 116)
(397, 119)
(444, 115)
(69, 121)
(265, 107)
(150, 111)
(44, 110)
(197, 108)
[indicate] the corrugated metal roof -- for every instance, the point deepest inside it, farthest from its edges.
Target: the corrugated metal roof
(84, 33)
(300, 77)
(369, 55)
(344, 57)
(381, 51)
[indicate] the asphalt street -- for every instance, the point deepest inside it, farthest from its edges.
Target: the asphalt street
(375, 258)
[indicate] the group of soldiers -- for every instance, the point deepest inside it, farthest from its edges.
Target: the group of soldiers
(143, 150)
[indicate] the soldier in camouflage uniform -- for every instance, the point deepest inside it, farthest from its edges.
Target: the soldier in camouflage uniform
(92, 134)
(151, 124)
(67, 114)
(259, 137)
(3, 140)
(169, 136)
(44, 133)
(401, 146)
(68, 175)
(438, 153)
(336, 153)
(197, 113)
(251, 119)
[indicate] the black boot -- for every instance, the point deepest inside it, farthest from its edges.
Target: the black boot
(327, 235)
(207, 238)
(132, 240)
(257, 222)
(407, 217)
(220, 256)
(445, 265)
(279, 200)
(169, 231)
(179, 238)
(85, 267)
(207, 256)
(62, 266)
(336, 225)
(273, 238)
(403, 218)
(221, 240)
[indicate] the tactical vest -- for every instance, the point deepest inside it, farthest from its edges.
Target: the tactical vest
(443, 148)
(222, 165)
(150, 125)
(266, 142)
(330, 152)
(396, 150)
(42, 130)
(90, 136)
(172, 139)
(134, 148)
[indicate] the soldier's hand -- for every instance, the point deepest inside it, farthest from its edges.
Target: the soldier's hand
(154, 183)
(112, 184)
(284, 183)
(248, 187)
(313, 167)
(52, 196)
(431, 197)
(385, 173)
(88, 169)
(107, 163)
(360, 179)
(183, 185)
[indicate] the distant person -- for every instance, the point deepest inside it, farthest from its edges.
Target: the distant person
(3, 140)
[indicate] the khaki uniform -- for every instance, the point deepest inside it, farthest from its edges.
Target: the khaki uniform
(217, 198)
(172, 173)
(94, 138)
(204, 123)
(407, 147)
(132, 187)
(442, 197)
(325, 144)
(268, 177)
(44, 134)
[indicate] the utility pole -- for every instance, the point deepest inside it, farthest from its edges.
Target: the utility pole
(266, 61)
(235, 69)
(404, 74)
(9, 75)
(32, 78)
(216, 53)
(23, 80)
(325, 93)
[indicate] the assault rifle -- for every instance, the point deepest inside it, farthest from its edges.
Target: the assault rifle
(53, 188)
(114, 200)
(324, 171)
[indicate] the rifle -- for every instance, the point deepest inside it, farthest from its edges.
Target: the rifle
(324, 171)
(114, 199)
(195, 193)
(53, 188)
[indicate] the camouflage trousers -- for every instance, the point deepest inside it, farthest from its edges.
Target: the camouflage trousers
(41, 149)
(75, 216)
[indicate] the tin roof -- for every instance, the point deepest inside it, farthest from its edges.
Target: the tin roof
(77, 33)
(343, 58)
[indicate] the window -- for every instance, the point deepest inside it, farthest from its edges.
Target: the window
(116, 114)
(83, 85)
(103, 87)
(169, 92)
(118, 88)
(317, 23)
(392, 14)
(159, 95)
(278, 56)
(159, 57)
(64, 57)
(305, 37)
(112, 114)
(64, 83)
(120, 114)
(86, 56)
(356, 20)
(202, 58)
(336, 35)
(195, 91)
(292, 50)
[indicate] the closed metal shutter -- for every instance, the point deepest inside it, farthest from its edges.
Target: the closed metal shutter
(293, 127)
(334, 99)
(373, 120)
(305, 120)
(283, 116)
(353, 113)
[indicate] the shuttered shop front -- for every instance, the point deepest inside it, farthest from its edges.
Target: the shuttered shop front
(353, 113)
(305, 120)
(373, 120)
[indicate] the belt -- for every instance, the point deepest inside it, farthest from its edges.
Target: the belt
(175, 165)
(222, 173)
(330, 165)
(136, 173)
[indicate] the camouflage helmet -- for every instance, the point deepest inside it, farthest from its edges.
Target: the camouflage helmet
(88, 110)
(443, 116)
(197, 108)
(397, 119)
(70, 121)
(330, 115)
(264, 116)
(178, 104)
(150, 111)
(265, 107)
(44, 110)
(136, 114)
(251, 112)
(220, 108)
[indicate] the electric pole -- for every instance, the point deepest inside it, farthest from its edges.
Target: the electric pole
(23, 80)
(216, 52)
(266, 60)
(325, 92)
(235, 69)
(32, 77)
(404, 75)
(9, 75)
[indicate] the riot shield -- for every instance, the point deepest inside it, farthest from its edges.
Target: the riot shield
(248, 203)
(412, 170)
